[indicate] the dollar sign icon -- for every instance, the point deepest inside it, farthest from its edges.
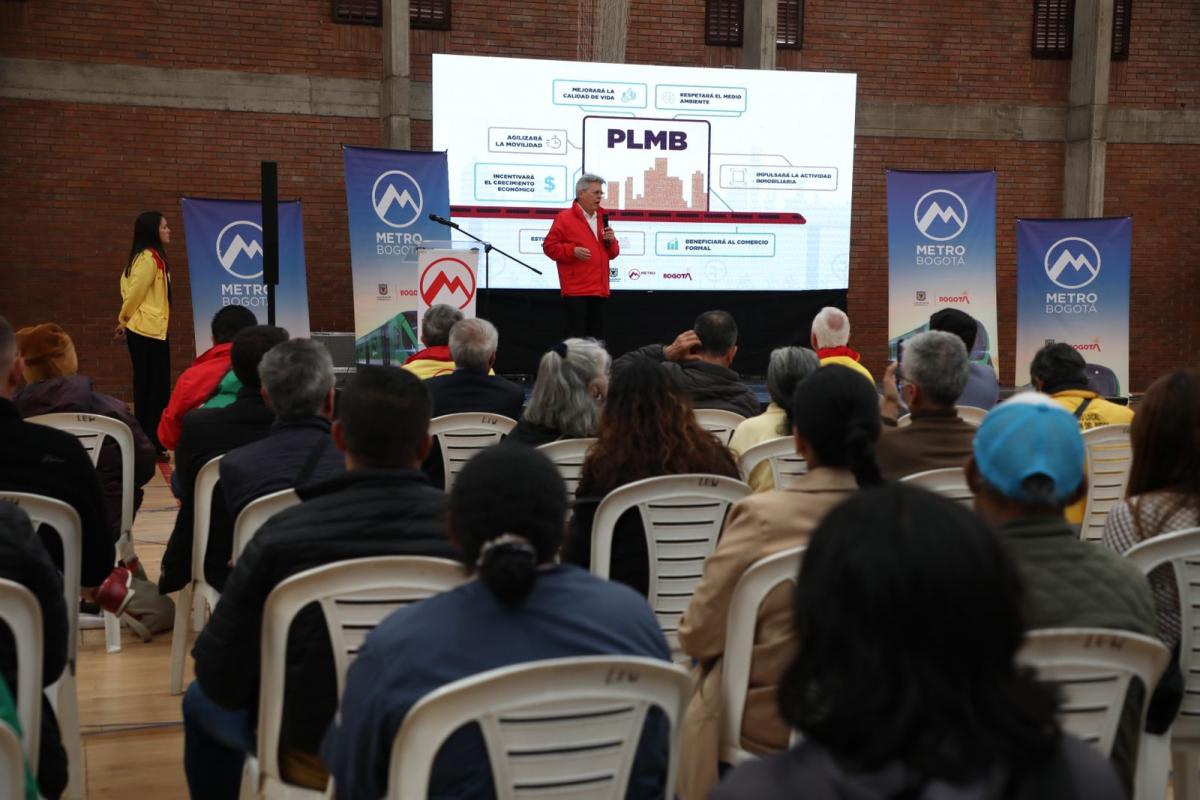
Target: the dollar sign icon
(549, 184)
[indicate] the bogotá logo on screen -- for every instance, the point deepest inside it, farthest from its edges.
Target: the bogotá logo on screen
(397, 199)
(239, 249)
(1072, 262)
(940, 215)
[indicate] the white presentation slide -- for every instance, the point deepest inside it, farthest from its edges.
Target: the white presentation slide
(714, 179)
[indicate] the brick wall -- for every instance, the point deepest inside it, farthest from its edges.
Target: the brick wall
(1163, 69)
(74, 177)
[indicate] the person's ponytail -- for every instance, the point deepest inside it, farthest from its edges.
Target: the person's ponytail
(507, 566)
(860, 457)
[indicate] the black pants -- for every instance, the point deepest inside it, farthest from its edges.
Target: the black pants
(151, 381)
(585, 317)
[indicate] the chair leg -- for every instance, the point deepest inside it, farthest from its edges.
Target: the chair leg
(112, 633)
(199, 612)
(67, 711)
(1154, 762)
(179, 637)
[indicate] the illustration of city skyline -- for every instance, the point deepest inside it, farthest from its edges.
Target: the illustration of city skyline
(660, 191)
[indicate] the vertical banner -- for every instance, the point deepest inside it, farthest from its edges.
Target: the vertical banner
(390, 195)
(942, 253)
(225, 263)
(1073, 287)
(446, 277)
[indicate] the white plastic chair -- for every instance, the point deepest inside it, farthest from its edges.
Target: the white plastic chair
(971, 415)
(256, 512)
(1109, 454)
(19, 610)
(748, 595)
(568, 456)
(91, 430)
(354, 596)
(682, 516)
(190, 605)
(64, 694)
(1181, 744)
(12, 763)
(1093, 668)
(786, 463)
(950, 482)
(461, 436)
(719, 422)
(562, 728)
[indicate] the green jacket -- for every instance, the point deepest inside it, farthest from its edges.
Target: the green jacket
(226, 391)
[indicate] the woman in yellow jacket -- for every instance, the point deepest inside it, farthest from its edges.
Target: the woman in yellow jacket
(145, 311)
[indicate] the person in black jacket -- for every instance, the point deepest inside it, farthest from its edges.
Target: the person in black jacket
(41, 460)
(382, 505)
(24, 561)
(699, 360)
(211, 432)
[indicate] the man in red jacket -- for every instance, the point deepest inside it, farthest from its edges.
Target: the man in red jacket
(582, 244)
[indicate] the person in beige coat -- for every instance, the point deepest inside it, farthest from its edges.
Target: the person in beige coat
(836, 422)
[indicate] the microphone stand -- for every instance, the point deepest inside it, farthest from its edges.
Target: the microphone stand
(488, 247)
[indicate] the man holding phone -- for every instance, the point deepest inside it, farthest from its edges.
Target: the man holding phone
(582, 243)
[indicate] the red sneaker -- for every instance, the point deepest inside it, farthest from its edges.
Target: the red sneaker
(115, 593)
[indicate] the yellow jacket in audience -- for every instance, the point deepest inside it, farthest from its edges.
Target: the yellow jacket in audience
(1098, 412)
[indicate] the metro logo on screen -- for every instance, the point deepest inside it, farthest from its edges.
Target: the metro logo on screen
(655, 164)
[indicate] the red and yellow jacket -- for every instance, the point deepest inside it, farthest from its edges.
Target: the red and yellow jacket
(145, 308)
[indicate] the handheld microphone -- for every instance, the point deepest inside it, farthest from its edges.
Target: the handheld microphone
(443, 221)
(604, 220)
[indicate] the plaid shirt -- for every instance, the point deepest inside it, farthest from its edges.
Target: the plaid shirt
(1121, 533)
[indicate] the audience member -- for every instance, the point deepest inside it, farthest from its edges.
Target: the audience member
(982, 389)
(506, 512)
(830, 337)
(647, 429)
(837, 423)
(435, 358)
(1059, 371)
(699, 360)
(572, 380)
(8, 715)
(297, 382)
(1163, 492)
(933, 374)
(907, 618)
(42, 460)
(205, 383)
(473, 344)
(1028, 465)
(211, 432)
(53, 385)
(24, 560)
(788, 366)
(381, 505)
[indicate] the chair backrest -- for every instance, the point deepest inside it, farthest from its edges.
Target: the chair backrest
(90, 430)
(354, 596)
(972, 415)
(12, 763)
(682, 516)
(64, 519)
(1181, 550)
(258, 511)
(786, 463)
(460, 436)
(719, 423)
(950, 482)
(19, 610)
(202, 496)
(562, 728)
(1093, 667)
(741, 622)
(1109, 455)
(568, 455)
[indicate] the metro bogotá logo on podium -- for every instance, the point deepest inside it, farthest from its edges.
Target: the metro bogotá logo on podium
(448, 281)
(1072, 262)
(239, 249)
(397, 199)
(940, 215)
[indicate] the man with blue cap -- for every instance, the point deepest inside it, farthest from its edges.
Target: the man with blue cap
(1027, 467)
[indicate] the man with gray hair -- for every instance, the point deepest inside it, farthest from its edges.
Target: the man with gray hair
(435, 358)
(830, 337)
(582, 244)
(297, 384)
(932, 375)
(786, 368)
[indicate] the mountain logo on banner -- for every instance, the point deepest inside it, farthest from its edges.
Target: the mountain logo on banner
(447, 281)
(1072, 262)
(940, 215)
(397, 199)
(240, 250)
